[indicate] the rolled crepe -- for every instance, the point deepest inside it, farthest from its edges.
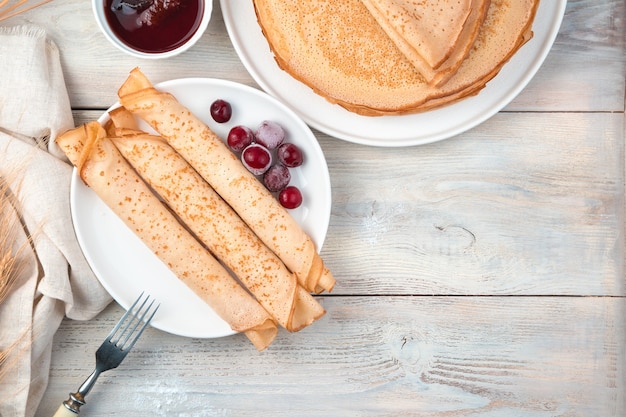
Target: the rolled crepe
(120, 117)
(217, 225)
(103, 168)
(212, 159)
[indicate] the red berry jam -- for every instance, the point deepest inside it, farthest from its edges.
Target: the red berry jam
(154, 26)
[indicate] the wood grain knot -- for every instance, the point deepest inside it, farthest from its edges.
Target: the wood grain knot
(410, 350)
(454, 238)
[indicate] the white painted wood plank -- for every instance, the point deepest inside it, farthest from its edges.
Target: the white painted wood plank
(371, 356)
(524, 204)
(588, 57)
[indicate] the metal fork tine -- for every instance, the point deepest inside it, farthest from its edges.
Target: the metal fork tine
(145, 324)
(139, 320)
(134, 319)
(124, 317)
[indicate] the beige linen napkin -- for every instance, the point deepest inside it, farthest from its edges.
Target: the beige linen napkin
(55, 280)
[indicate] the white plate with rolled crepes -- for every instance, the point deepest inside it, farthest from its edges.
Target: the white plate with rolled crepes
(124, 264)
(388, 130)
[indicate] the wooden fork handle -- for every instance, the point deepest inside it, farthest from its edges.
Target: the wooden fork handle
(63, 411)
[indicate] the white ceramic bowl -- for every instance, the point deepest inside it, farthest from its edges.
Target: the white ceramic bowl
(101, 19)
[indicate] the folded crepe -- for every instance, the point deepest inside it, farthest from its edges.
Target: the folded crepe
(432, 26)
(104, 169)
(434, 35)
(219, 227)
(340, 51)
(212, 159)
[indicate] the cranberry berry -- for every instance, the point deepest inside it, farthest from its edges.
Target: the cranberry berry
(269, 134)
(221, 111)
(256, 158)
(239, 138)
(290, 155)
(277, 177)
(290, 197)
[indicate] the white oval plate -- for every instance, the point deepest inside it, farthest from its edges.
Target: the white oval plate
(390, 131)
(125, 266)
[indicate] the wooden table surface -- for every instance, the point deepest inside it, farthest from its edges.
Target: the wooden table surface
(477, 276)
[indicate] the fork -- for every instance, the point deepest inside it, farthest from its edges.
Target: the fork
(112, 351)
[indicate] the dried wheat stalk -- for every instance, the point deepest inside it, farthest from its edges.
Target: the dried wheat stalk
(10, 8)
(10, 267)
(9, 227)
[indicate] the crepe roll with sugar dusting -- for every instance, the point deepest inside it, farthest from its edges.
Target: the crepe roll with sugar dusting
(104, 170)
(219, 227)
(212, 159)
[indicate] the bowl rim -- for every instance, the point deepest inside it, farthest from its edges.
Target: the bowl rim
(98, 12)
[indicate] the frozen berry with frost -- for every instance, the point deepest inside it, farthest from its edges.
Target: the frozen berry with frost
(270, 134)
(277, 177)
(290, 155)
(239, 137)
(256, 158)
(290, 197)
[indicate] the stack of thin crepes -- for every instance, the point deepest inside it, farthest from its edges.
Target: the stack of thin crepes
(381, 57)
(193, 203)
